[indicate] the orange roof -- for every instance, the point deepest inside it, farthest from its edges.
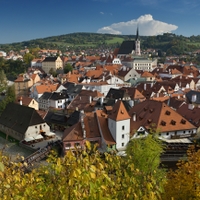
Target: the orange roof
(94, 73)
(76, 131)
(103, 122)
(119, 112)
(175, 71)
(25, 100)
(46, 88)
(147, 74)
(158, 115)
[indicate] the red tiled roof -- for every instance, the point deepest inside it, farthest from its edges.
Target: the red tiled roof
(119, 112)
(153, 114)
(103, 123)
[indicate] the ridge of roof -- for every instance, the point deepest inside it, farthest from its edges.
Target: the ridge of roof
(119, 112)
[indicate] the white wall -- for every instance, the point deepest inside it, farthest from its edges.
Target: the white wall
(121, 136)
(33, 131)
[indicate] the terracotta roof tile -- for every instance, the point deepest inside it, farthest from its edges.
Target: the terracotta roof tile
(157, 114)
(46, 88)
(75, 132)
(119, 112)
(25, 100)
(103, 123)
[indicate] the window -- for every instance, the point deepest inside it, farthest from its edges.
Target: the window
(167, 133)
(123, 127)
(122, 136)
(122, 144)
(68, 145)
(35, 126)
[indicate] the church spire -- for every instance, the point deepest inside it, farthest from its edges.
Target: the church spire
(137, 34)
(137, 43)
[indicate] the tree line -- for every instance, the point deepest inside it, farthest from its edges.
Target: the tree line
(169, 43)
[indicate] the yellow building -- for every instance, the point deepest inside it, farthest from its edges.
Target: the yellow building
(52, 63)
(23, 83)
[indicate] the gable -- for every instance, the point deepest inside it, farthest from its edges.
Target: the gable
(28, 117)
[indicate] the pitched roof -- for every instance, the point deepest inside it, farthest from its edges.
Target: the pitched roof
(191, 94)
(147, 74)
(73, 118)
(190, 113)
(28, 117)
(119, 112)
(50, 59)
(58, 95)
(75, 132)
(46, 95)
(55, 118)
(134, 93)
(103, 124)
(46, 88)
(127, 47)
(116, 94)
(82, 103)
(25, 100)
(151, 113)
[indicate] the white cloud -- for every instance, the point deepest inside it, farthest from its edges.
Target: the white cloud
(109, 30)
(147, 27)
(102, 13)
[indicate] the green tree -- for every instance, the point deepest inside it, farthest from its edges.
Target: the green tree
(145, 153)
(53, 72)
(3, 81)
(34, 51)
(28, 57)
(10, 97)
(68, 68)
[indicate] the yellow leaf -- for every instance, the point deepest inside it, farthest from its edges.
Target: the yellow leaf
(93, 175)
(92, 168)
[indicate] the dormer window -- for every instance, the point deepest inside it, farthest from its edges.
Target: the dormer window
(183, 121)
(151, 110)
(173, 122)
(149, 121)
(163, 123)
(167, 112)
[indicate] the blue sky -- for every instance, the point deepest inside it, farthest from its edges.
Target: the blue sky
(22, 20)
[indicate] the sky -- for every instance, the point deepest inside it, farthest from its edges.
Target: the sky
(23, 20)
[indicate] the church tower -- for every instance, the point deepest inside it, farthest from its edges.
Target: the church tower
(137, 44)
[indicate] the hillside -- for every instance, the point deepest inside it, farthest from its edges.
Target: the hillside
(169, 43)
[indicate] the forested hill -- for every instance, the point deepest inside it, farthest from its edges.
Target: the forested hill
(169, 43)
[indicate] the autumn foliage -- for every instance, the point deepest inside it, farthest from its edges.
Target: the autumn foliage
(89, 174)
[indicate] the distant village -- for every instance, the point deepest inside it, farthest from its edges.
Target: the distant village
(107, 99)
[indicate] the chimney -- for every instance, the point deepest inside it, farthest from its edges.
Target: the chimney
(145, 86)
(20, 101)
(82, 123)
(194, 98)
(134, 116)
(101, 101)
(190, 106)
(84, 134)
(90, 99)
(131, 103)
